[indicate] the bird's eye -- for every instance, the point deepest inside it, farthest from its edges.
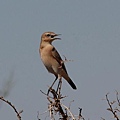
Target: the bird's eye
(48, 35)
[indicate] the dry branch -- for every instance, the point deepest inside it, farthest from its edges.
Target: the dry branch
(9, 103)
(111, 109)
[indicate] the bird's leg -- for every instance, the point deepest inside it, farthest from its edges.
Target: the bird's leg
(59, 86)
(52, 85)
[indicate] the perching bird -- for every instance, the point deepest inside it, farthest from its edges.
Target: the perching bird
(51, 58)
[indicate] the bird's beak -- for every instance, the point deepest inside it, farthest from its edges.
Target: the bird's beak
(56, 38)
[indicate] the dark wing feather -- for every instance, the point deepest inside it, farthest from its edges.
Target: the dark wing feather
(58, 58)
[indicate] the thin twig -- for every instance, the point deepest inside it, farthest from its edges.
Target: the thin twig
(9, 103)
(70, 103)
(102, 118)
(80, 114)
(111, 109)
(45, 94)
(38, 116)
(73, 118)
(66, 60)
(118, 100)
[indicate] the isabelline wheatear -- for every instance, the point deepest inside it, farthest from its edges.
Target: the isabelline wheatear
(51, 58)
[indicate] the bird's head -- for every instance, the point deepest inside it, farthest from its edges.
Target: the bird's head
(49, 37)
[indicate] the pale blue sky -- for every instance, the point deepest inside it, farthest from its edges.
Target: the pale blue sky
(90, 36)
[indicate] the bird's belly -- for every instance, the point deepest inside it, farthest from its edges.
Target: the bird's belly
(51, 64)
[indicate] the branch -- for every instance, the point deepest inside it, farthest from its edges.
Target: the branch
(73, 118)
(110, 108)
(80, 114)
(9, 103)
(118, 100)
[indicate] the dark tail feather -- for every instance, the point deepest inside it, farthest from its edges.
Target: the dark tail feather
(72, 84)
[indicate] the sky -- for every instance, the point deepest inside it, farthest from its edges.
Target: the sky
(90, 37)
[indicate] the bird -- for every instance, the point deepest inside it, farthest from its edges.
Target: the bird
(51, 58)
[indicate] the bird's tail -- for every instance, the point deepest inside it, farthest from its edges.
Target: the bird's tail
(67, 78)
(71, 83)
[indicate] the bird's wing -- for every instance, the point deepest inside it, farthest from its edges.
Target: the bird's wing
(56, 55)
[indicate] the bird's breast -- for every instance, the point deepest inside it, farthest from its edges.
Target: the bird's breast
(46, 54)
(48, 59)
